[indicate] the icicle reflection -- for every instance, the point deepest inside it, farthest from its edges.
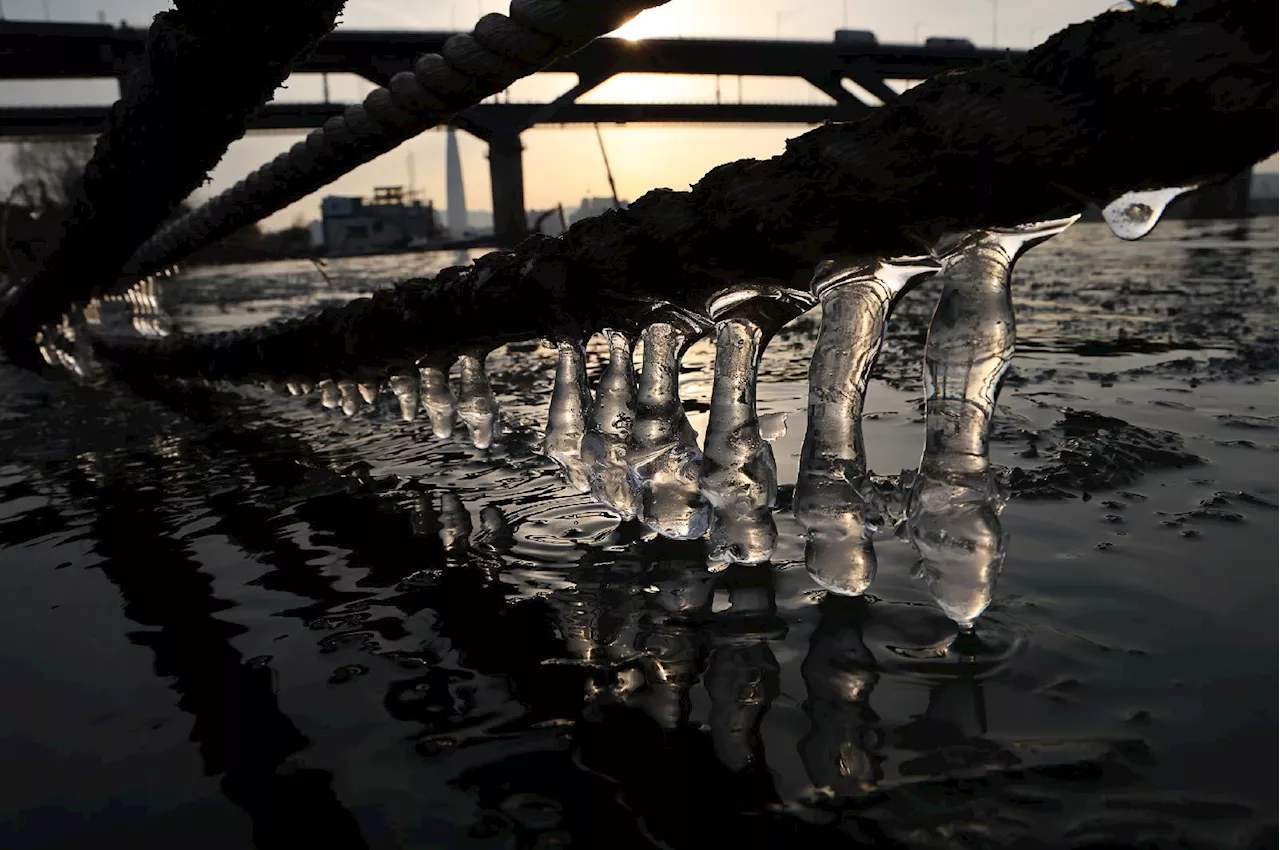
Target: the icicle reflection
(437, 399)
(953, 518)
(604, 445)
(455, 523)
(839, 674)
(743, 675)
(739, 475)
(566, 419)
(477, 407)
(663, 457)
(829, 497)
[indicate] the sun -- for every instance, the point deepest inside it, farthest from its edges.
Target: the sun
(644, 25)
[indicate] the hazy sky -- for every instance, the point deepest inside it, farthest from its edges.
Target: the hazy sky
(562, 165)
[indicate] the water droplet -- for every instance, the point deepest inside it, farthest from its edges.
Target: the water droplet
(1135, 214)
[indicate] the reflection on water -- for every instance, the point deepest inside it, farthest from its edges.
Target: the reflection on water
(364, 634)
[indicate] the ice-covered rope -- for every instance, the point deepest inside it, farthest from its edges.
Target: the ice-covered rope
(469, 68)
(178, 111)
(1153, 96)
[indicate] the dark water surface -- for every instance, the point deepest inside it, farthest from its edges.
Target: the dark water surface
(238, 620)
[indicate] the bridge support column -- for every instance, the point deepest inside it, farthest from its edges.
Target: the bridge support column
(506, 179)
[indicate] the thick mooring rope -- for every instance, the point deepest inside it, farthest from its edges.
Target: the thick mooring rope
(1149, 97)
(178, 112)
(129, 198)
(469, 68)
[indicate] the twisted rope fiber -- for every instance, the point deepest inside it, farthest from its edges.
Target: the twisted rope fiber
(470, 68)
(1143, 98)
(178, 112)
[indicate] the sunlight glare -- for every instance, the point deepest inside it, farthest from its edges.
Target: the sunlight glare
(642, 26)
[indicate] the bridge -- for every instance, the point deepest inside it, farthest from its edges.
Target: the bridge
(38, 50)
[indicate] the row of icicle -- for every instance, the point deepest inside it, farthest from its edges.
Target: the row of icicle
(631, 446)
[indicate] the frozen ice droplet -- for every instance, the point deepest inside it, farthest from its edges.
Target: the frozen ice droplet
(1135, 214)
(437, 399)
(368, 391)
(330, 397)
(662, 454)
(405, 388)
(856, 301)
(773, 426)
(604, 445)
(350, 396)
(739, 474)
(477, 407)
(566, 418)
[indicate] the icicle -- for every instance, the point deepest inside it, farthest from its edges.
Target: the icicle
(1135, 214)
(566, 419)
(839, 675)
(952, 519)
(829, 502)
(330, 396)
(350, 397)
(455, 523)
(405, 388)
(662, 454)
(604, 446)
(739, 475)
(477, 407)
(437, 399)
(368, 392)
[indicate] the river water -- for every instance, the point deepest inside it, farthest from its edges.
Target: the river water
(234, 619)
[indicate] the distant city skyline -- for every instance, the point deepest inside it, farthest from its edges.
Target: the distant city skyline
(564, 165)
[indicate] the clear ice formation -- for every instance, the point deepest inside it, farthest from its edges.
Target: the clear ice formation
(739, 475)
(405, 388)
(330, 396)
(663, 457)
(604, 445)
(477, 407)
(829, 497)
(1135, 214)
(350, 397)
(566, 419)
(437, 399)
(953, 510)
